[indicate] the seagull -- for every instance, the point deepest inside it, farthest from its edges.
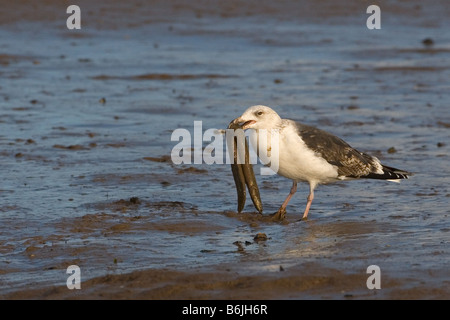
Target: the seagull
(312, 155)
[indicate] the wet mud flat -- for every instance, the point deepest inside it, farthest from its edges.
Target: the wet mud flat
(325, 260)
(85, 141)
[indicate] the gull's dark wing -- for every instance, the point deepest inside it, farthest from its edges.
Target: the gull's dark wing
(350, 162)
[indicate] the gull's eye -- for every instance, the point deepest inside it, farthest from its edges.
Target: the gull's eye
(259, 113)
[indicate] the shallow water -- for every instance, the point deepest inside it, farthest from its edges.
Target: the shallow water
(86, 119)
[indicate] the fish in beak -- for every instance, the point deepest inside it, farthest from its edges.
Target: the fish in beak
(243, 174)
(240, 123)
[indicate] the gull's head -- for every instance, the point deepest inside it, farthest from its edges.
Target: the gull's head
(258, 117)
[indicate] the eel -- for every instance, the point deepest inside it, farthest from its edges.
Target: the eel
(244, 175)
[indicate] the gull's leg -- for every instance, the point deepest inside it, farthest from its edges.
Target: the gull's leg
(310, 199)
(281, 213)
(291, 193)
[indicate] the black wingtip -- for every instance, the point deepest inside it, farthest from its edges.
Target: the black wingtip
(389, 173)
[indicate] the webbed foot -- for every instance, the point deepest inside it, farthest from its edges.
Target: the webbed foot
(279, 215)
